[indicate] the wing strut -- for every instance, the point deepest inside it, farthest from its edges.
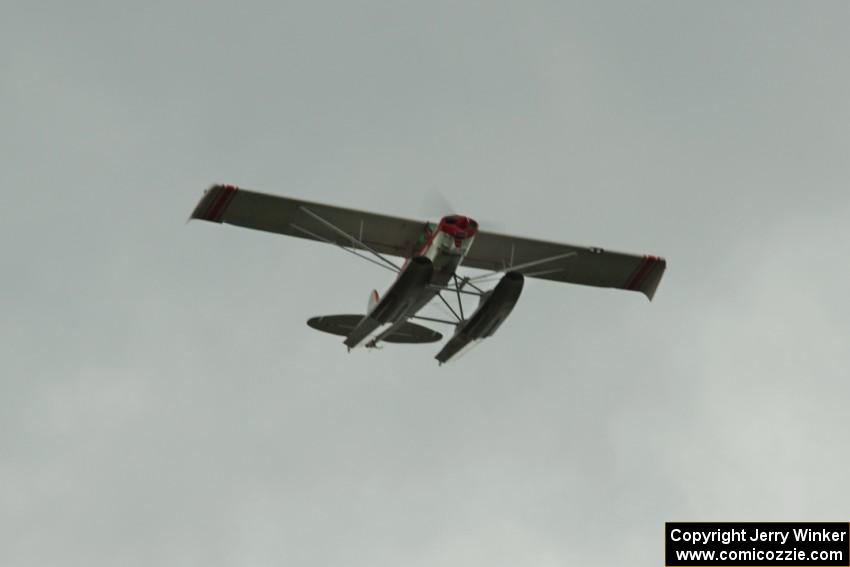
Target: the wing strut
(459, 302)
(466, 281)
(520, 267)
(329, 241)
(478, 293)
(443, 299)
(435, 320)
(353, 240)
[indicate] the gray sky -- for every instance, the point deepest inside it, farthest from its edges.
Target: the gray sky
(162, 401)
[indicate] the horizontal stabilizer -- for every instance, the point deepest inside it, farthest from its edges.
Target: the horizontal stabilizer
(406, 332)
(335, 324)
(411, 333)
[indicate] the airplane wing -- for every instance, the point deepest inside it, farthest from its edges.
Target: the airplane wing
(293, 217)
(398, 236)
(566, 263)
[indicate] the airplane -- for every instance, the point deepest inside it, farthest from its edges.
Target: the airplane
(432, 253)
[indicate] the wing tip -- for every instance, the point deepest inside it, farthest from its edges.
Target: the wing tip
(650, 281)
(214, 203)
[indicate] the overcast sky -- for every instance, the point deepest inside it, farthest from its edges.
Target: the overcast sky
(162, 401)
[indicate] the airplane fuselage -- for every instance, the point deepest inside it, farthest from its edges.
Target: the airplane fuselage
(433, 252)
(424, 273)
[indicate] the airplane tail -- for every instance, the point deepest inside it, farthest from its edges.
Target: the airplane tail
(405, 332)
(374, 299)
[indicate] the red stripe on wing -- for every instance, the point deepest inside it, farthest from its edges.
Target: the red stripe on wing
(641, 272)
(215, 202)
(216, 212)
